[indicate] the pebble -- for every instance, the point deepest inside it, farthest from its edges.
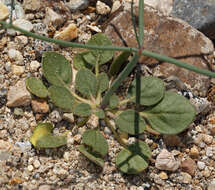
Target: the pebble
(211, 186)
(116, 5)
(163, 175)
(69, 33)
(44, 187)
(69, 117)
(52, 18)
(24, 24)
(24, 146)
(16, 56)
(30, 168)
(18, 95)
(209, 151)
(208, 139)
(75, 5)
(194, 152)
(188, 166)
(36, 163)
(17, 70)
(186, 178)
(55, 116)
(172, 140)
(201, 165)
(102, 8)
(40, 106)
(34, 66)
(32, 5)
(21, 40)
(166, 161)
(4, 11)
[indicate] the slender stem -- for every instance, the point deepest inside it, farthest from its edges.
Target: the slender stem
(117, 137)
(126, 71)
(134, 23)
(141, 22)
(112, 48)
(125, 101)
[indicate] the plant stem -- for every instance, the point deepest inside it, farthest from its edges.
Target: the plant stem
(126, 71)
(117, 137)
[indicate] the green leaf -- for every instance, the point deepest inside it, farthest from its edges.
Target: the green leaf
(99, 55)
(95, 140)
(130, 122)
(134, 159)
(113, 102)
(61, 97)
(85, 82)
(42, 137)
(56, 68)
(36, 87)
(102, 82)
(118, 62)
(172, 115)
(100, 113)
(91, 155)
(79, 61)
(152, 90)
(82, 110)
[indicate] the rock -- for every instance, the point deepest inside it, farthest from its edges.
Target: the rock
(5, 148)
(185, 178)
(24, 24)
(167, 36)
(188, 166)
(69, 33)
(34, 66)
(208, 139)
(18, 95)
(39, 106)
(163, 175)
(194, 152)
(17, 70)
(4, 11)
(31, 5)
(69, 117)
(55, 116)
(75, 5)
(52, 18)
(116, 5)
(202, 105)
(16, 56)
(199, 14)
(164, 6)
(36, 163)
(166, 161)
(211, 186)
(201, 165)
(30, 168)
(102, 8)
(45, 187)
(24, 146)
(172, 140)
(21, 40)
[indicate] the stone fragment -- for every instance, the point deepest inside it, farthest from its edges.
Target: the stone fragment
(208, 139)
(21, 40)
(24, 146)
(201, 165)
(116, 5)
(166, 161)
(34, 66)
(4, 12)
(69, 117)
(18, 95)
(32, 5)
(17, 70)
(164, 6)
(36, 164)
(52, 18)
(102, 8)
(194, 152)
(24, 24)
(186, 178)
(39, 106)
(199, 14)
(69, 33)
(167, 36)
(75, 5)
(16, 56)
(163, 175)
(188, 166)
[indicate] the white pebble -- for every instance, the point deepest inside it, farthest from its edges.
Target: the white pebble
(34, 65)
(36, 163)
(30, 168)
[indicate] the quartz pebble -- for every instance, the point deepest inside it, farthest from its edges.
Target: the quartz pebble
(34, 66)
(69, 117)
(18, 95)
(24, 24)
(17, 70)
(102, 8)
(163, 175)
(75, 5)
(31, 5)
(166, 161)
(201, 165)
(36, 163)
(69, 33)
(4, 12)
(52, 18)
(15, 55)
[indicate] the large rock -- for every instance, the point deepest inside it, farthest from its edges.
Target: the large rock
(168, 36)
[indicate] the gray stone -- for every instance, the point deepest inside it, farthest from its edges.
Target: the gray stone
(53, 18)
(75, 5)
(198, 13)
(24, 146)
(31, 5)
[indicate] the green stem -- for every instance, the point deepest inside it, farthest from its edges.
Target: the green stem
(125, 101)
(126, 71)
(117, 137)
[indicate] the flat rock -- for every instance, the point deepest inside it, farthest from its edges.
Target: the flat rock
(198, 13)
(168, 36)
(18, 95)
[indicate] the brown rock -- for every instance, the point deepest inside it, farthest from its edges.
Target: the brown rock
(172, 140)
(188, 166)
(39, 106)
(18, 95)
(168, 36)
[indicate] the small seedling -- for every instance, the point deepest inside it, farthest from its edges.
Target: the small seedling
(165, 112)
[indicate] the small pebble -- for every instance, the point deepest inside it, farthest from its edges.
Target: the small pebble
(194, 152)
(17, 70)
(4, 11)
(30, 168)
(36, 163)
(201, 165)
(102, 8)
(34, 66)
(188, 166)
(163, 175)
(208, 139)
